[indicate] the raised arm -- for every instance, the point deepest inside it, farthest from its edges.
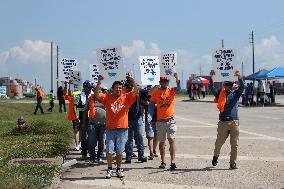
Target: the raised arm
(96, 90)
(240, 90)
(65, 88)
(177, 88)
(214, 90)
(135, 88)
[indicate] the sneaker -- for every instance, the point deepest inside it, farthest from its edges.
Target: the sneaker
(134, 155)
(144, 159)
(155, 154)
(233, 165)
(92, 162)
(173, 166)
(100, 160)
(119, 173)
(151, 157)
(77, 148)
(127, 161)
(162, 166)
(215, 160)
(109, 174)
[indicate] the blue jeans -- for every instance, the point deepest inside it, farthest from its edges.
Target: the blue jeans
(92, 141)
(96, 137)
(135, 127)
(84, 137)
(117, 138)
(38, 106)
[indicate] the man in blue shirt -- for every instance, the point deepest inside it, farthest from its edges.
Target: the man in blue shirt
(228, 117)
(136, 126)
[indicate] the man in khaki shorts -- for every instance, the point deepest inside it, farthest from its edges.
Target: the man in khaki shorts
(228, 101)
(163, 99)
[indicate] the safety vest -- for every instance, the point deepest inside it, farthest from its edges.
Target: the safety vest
(92, 107)
(221, 100)
(41, 93)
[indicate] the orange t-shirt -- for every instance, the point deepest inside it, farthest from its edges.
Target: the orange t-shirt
(117, 109)
(164, 99)
(71, 115)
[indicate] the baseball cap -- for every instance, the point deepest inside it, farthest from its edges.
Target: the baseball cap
(88, 84)
(228, 83)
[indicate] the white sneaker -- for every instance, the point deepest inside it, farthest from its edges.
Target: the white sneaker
(109, 174)
(77, 148)
(119, 173)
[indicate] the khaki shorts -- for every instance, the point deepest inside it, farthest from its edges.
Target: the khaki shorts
(166, 130)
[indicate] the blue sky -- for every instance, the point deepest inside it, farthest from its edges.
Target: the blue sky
(191, 28)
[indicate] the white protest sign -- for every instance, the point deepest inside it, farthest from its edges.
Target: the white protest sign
(150, 70)
(168, 64)
(75, 77)
(224, 64)
(110, 63)
(66, 65)
(94, 72)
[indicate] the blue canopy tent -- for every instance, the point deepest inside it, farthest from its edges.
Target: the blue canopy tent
(260, 75)
(276, 73)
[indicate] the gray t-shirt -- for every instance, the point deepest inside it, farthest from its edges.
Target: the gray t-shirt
(100, 117)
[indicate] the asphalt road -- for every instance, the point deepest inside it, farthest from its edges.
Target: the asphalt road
(260, 157)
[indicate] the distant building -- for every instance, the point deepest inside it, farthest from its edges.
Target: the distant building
(16, 87)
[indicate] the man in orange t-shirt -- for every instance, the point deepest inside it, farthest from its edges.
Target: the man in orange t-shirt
(163, 99)
(117, 105)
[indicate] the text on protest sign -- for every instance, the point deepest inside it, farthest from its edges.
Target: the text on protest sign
(168, 64)
(75, 77)
(66, 65)
(94, 72)
(224, 64)
(110, 63)
(150, 70)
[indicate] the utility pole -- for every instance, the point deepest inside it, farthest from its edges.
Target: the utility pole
(200, 70)
(252, 42)
(182, 79)
(51, 70)
(222, 43)
(242, 68)
(57, 71)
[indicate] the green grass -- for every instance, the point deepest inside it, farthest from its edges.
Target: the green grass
(47, 136)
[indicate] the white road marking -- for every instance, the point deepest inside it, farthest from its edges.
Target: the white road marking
(193, 126)
(240, 158)
(132, 184)
(214, 137)
(243, 131)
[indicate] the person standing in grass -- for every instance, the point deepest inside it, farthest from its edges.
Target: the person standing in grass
(39, 96)
(117, 105)
(51, 101)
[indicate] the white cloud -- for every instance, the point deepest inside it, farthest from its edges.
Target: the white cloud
(28, 52)
(29, 60)
(269, 53)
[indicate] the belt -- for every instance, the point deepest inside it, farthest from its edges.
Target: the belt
(227, 119)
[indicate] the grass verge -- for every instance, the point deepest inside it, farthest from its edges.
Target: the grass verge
(47, 136)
